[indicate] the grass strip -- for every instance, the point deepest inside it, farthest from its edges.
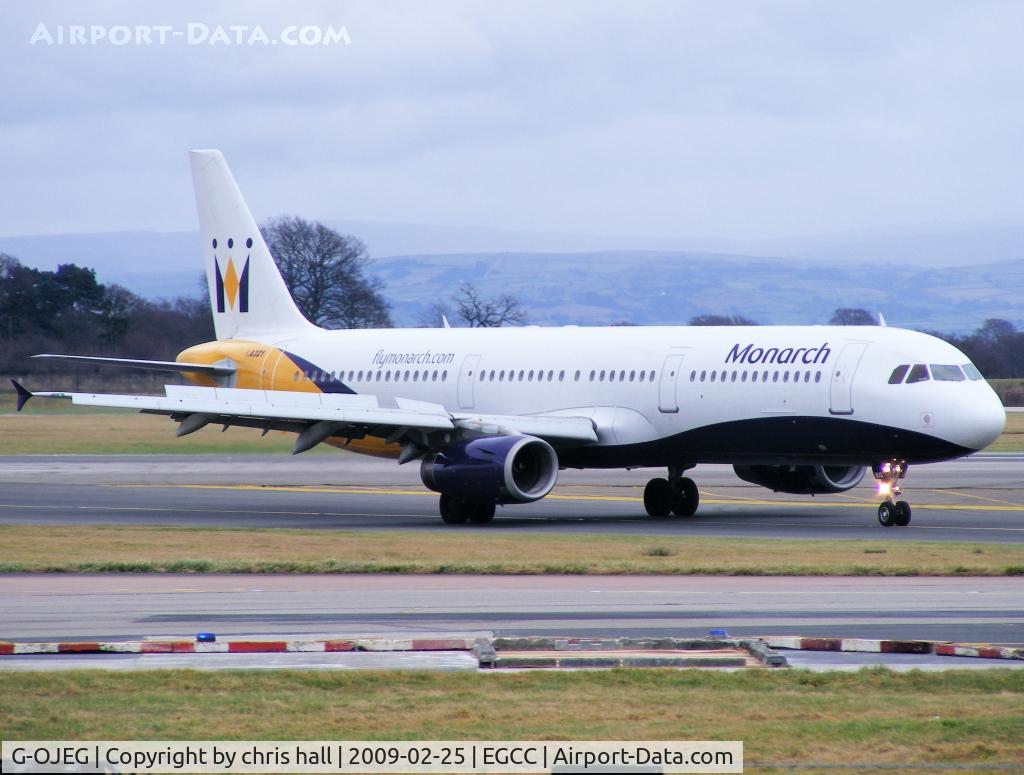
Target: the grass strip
(964, 719)
(116, 549)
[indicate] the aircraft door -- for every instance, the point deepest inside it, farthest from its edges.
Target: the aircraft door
(840, 392)
(467, 376)
(670, 371)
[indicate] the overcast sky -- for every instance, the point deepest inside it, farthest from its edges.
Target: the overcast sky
(732, 119)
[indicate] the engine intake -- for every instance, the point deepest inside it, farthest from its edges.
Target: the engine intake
(802, 480)
(493, 469)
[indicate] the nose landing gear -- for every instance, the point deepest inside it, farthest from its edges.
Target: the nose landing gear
(891, 512)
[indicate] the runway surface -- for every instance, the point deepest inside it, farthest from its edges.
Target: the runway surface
(976, 499)
(113, 607)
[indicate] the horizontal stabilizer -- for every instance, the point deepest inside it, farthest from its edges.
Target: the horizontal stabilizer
(214, 370)
(23, 394)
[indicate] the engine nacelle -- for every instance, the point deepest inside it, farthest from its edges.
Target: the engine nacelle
(493, 469)
(802, 480)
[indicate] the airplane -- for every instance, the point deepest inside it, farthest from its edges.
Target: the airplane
(493, 414)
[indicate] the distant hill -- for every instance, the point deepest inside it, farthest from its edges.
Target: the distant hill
(650, 287)
(610, 286)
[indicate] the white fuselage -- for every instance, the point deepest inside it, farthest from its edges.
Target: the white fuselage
(687, 394)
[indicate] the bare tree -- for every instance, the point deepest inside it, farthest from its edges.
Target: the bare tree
(722, 320)
(852, 316)
(435, 315)
(479, 312)
(326, 274)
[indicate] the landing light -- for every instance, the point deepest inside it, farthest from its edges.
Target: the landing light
(884, 489)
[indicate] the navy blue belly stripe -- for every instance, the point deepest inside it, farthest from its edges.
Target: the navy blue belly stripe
(319, 377)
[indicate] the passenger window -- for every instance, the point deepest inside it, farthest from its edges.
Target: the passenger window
(713, 375)
(444, 375)
(944, 373)
(703, 375)
(733, 379)
(817, 377)
(898, 374)
(753, 376)
(775, 377)
(561, 375)
(551, 375)
(622, 376)
(642, 375)
(611, 376)
(592, 373)
(521, 372)
(972, 372)
(529, 377)
(743, 376)
(651, 378)
(577, 377)
(416, 375)
(919, 373)
(807, 377)
(785, 376)
(601, 377)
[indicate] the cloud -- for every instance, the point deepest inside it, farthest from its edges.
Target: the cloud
(734, 119)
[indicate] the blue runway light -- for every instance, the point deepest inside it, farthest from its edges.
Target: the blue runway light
(718, 634)
(205, 637)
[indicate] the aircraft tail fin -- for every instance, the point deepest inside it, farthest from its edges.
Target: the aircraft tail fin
(247, 293)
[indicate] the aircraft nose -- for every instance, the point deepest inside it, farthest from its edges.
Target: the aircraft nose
(981, 420)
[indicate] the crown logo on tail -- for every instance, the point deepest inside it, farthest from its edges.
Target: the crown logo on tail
(231, 286)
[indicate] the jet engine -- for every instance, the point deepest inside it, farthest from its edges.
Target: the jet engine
(802, 480)
(493, 469)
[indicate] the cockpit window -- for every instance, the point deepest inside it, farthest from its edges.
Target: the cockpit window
(972, 371)
(919, 373)
(898, 374)
(944, 373)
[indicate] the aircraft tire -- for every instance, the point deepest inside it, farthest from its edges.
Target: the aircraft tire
(453, 511)
(685, 498)
(902, 516)
(481, 513)
(887, 514)
(658, 498)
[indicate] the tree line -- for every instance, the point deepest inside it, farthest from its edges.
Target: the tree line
(68, 311)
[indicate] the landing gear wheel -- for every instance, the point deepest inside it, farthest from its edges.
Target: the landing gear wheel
(887, 514)
(658, 497)
(685, 497)
(481, 513)
(902, 514)
(453, 512)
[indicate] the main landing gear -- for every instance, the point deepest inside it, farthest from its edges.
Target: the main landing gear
(891, 512)
(676, 495)
(455, 511)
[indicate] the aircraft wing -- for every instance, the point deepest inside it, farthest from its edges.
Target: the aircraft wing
(316, 417)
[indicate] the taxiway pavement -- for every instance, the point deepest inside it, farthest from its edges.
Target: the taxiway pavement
(976, 499)
(50, 607)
